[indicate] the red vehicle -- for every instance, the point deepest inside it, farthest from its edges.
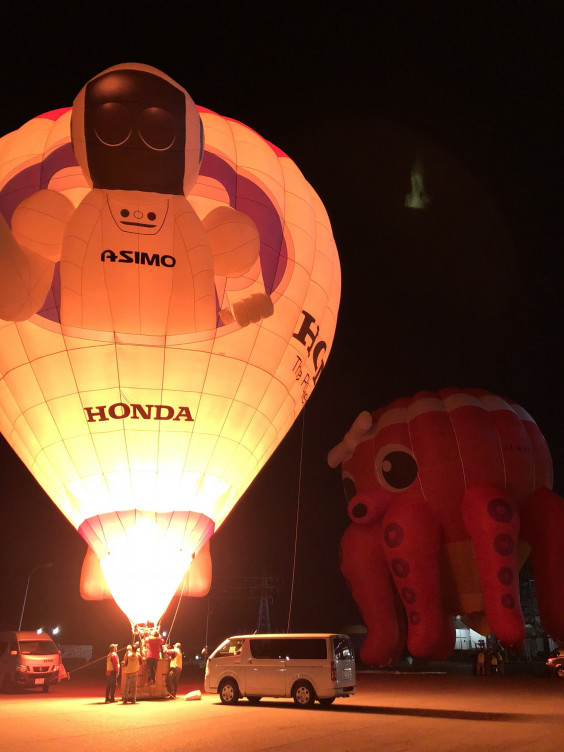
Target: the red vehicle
(555, 664)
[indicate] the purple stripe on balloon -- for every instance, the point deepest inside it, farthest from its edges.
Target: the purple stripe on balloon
(249, 198)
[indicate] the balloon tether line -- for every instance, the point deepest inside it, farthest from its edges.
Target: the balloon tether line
(178, 604)
(297, 521)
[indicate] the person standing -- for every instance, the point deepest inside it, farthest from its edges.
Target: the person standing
(174, 670)
(481, 663)
(488, 661)
(131, 669)
(153, 644)
(493, 662)
(112, 673)
(500, 670)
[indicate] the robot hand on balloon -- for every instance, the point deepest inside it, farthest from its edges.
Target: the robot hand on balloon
(447, 494)
(169, 287)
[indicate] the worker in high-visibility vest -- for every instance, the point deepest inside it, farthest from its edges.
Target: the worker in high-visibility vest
(174, 670)
(112, 673)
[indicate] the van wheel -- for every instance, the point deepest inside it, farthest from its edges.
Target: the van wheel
(326, 701)
(228, 692)
(303, 694)
(253, 699)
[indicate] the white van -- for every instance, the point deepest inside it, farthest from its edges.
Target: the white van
(28, 659)
(307, 667)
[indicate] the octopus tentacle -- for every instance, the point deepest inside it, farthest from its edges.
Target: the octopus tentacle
(492, 520)
(366, 572)
(417, 577)
(542, 526)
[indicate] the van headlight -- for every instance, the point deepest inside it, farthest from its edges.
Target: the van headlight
(22, 668)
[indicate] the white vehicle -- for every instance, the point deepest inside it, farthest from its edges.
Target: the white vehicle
(307, 667)
(28, 659)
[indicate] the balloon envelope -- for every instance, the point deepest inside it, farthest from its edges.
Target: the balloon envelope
(444, 490)
(146, 440)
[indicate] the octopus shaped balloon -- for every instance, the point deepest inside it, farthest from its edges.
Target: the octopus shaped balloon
(447, 493)
(169, 286)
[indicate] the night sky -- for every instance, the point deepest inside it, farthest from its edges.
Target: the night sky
(467, 292)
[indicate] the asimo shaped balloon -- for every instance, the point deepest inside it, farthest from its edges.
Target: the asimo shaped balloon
(169, 287)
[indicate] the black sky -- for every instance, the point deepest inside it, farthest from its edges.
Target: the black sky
(466, 293)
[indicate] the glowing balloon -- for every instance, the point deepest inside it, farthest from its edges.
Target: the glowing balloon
(169, 289)
(447, 493)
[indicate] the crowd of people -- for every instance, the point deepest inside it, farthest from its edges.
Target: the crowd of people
(148, 649)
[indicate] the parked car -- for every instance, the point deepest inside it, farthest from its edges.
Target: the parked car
(307, 667)
(28, 659)
(555, 664)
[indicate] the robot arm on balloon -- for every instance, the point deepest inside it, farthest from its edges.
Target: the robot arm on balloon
(29, 251)
(235, 244)
(439, 528)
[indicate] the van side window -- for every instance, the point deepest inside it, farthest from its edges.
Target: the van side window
(269, 648)
(306, 649)
(3, 646)
(263, 648)
(287, 649)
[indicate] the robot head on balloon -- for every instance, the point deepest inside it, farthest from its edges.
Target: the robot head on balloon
(134, 128)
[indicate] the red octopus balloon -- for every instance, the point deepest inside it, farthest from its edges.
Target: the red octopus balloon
(448, 492)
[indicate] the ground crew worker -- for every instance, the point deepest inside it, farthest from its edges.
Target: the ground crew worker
(112, 673)
(175, 670)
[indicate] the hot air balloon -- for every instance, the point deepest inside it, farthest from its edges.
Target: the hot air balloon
(447, 493)
(169, 291)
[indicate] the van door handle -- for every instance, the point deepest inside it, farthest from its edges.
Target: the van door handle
(250, 660)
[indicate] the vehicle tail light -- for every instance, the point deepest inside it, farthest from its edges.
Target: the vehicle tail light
(333, 671)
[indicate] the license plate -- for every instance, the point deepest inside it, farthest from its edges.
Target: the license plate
(40, 681)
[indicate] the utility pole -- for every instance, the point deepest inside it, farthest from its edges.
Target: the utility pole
(41, 566)
(263, 624)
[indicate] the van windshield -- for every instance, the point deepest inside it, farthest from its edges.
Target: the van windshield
(38, 647)
(230, 647)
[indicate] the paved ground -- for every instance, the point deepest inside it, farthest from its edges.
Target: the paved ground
(391, 712)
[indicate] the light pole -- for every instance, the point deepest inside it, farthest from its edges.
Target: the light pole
(41, 566)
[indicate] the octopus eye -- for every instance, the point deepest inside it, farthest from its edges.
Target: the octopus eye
(399, 469)
(359, 511)
(349, 488)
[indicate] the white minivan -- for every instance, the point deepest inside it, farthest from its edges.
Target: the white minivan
(28, 659)
(307, 667)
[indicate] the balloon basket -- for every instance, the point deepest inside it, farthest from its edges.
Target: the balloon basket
(146, 691)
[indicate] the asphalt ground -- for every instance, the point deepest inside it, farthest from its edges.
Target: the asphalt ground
(421, 712)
